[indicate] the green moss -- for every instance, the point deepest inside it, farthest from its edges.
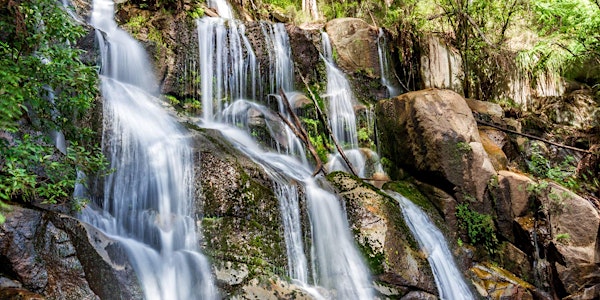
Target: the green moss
(375, 260)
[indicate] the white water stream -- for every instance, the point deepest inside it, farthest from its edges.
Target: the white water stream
(448, 278)
(148, 204)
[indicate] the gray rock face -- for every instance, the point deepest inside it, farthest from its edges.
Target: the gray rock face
(61, 258)
(433, 133)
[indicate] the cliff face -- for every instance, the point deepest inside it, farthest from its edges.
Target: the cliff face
(541, 239)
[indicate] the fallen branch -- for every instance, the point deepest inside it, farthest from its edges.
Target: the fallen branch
(311, 148)
(323, 120)
(533, 137)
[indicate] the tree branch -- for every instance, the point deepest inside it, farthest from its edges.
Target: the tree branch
(323, 120)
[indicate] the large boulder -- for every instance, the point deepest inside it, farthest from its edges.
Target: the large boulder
(512, 199)
(355, 43)
(60, 257)
(574, 225)
(433, 133)
(384, 238)
(241, 222)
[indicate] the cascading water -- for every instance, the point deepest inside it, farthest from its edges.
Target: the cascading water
(281, 68)
(448, 278)
(339, 95)
(335, 263)
(384, 66)
(227, 63)
(148, 203)
(342, 118)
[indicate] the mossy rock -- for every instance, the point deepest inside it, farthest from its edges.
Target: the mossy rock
(383, 236)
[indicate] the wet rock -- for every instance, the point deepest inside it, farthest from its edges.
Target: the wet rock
(494, 152)
(305, 44)
(418, 295)
(496, 283)
(355, 43)
(240, 219)
(19, 294)
(433, 133)
(392, 253)
(272, 289)
(57, 256)
(516, 261)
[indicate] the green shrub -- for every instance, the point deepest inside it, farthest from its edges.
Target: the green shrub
(479, 227)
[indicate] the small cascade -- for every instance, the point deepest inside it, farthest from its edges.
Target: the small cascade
(281, 67)
(384, 65)
(228, 67)
(449, 280)
(339, 94)
(336, 263)
(342, 119)
(148, 204)
(222, 7)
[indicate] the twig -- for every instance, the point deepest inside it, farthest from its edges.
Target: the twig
(300, 132)
(323, 120)
(311, 149)
(533, 137)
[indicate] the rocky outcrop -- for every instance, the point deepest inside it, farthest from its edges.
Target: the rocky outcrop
(441, 65)
(384, 238)
(241, 223)
(433, 133)
(512, 199)
(355, 43)
(58, 256)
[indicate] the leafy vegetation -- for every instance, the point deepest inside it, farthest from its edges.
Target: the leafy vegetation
(44, 87)
(479, 227)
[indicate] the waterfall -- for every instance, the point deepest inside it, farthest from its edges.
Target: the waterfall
(334, 260)
(281, 68)
(336, 263)
(384, 66)
(228, 64)
(449, 280)
(148, 204)
(339, 94)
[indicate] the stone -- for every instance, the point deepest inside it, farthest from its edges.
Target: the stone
(441, 67)
(272, 289)
(494, 152)
(382, 235)
(355, 43)
(485, 108)
(433, 133)
(57, 256)
(515, 261)
(241, 222)
(512, 200)
(496, 283)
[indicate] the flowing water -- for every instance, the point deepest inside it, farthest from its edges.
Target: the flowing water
(448, 278)
(148, 204)
(332, 261)
(384, 66)
(335, 261)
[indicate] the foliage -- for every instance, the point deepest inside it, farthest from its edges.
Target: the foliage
(563, 172)
(568, 37)
(43, 87)
(479, 227)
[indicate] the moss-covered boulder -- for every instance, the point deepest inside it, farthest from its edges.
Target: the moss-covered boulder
(393, 255)
(240, 218)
